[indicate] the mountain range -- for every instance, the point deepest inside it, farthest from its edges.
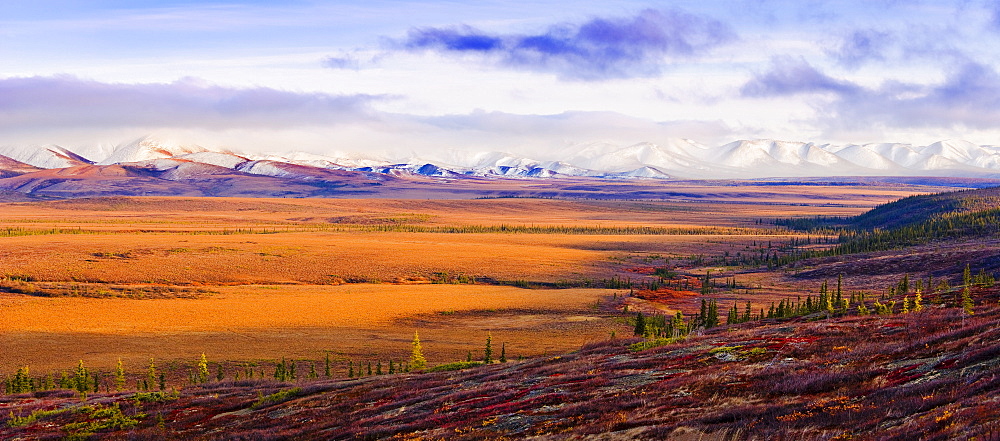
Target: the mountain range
(151, 161)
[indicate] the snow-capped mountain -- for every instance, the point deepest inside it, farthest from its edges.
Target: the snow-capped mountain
(44, 156)
(675, 158)
(149, 148)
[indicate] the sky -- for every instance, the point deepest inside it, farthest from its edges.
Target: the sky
(530, 77)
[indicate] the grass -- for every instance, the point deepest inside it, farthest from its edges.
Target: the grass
(250, 323)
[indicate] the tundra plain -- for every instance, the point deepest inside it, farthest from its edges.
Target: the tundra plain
(98, 279)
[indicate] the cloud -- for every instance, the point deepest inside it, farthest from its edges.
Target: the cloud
(793, 77)
(863, 46)
(601, 48)
(93, 117)
(66, 101)
(968, 98)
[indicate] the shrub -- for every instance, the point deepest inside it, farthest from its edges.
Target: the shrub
(458, 365)
(277, 397)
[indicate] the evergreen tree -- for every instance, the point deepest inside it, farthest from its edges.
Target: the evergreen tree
(201, 373)
(163, 381)
(82, 379)
(20, 382)
(712, 320)
(967, 304)
(378, 368)
(219, 373)
(677, 325)
(392, 367)
(417, 360)
(119, 376)
(488, 350)
(151, 373)
(312, 371)
(369, 371)
(503, 352)
(640, 323)
(350, 369)
(279, 371)
(706, 283)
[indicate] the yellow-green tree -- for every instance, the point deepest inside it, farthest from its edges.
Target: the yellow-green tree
(201, 375)
(119, 376)
(417, 360)
(151, 376)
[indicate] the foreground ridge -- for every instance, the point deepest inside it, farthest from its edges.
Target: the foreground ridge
(928, 375)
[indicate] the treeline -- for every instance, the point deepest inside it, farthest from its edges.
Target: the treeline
(913, 220)
(410, 228)
(905, 296)
(558, 229)
(952, 226)
(85, 381)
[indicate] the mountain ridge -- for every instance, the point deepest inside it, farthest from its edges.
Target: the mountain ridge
(175, 160)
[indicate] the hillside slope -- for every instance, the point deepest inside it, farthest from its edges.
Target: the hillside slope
(928, 375)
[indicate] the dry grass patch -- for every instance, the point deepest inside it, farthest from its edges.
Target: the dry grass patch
(255, 322)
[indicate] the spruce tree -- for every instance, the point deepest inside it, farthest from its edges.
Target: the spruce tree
(503, 352)
(82, 379)
(417, 360)
(279, 371)
(713, 314)
(201, 374)
(151, 373)
(350, 369)
(640, 324)
(119, 376)
(967, 304)
(488, 350)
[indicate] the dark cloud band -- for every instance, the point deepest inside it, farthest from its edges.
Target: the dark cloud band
(601, 48)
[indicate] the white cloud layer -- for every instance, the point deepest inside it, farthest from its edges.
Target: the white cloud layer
(415, 77)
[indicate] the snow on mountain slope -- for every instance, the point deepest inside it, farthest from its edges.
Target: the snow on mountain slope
(44, 156)
(958, 151)
(147, 148)
(333, 160)
(227, 160)
(868, 157)
(670, 158)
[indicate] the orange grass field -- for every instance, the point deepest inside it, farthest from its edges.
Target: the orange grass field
(266, 321)
(276, 269)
